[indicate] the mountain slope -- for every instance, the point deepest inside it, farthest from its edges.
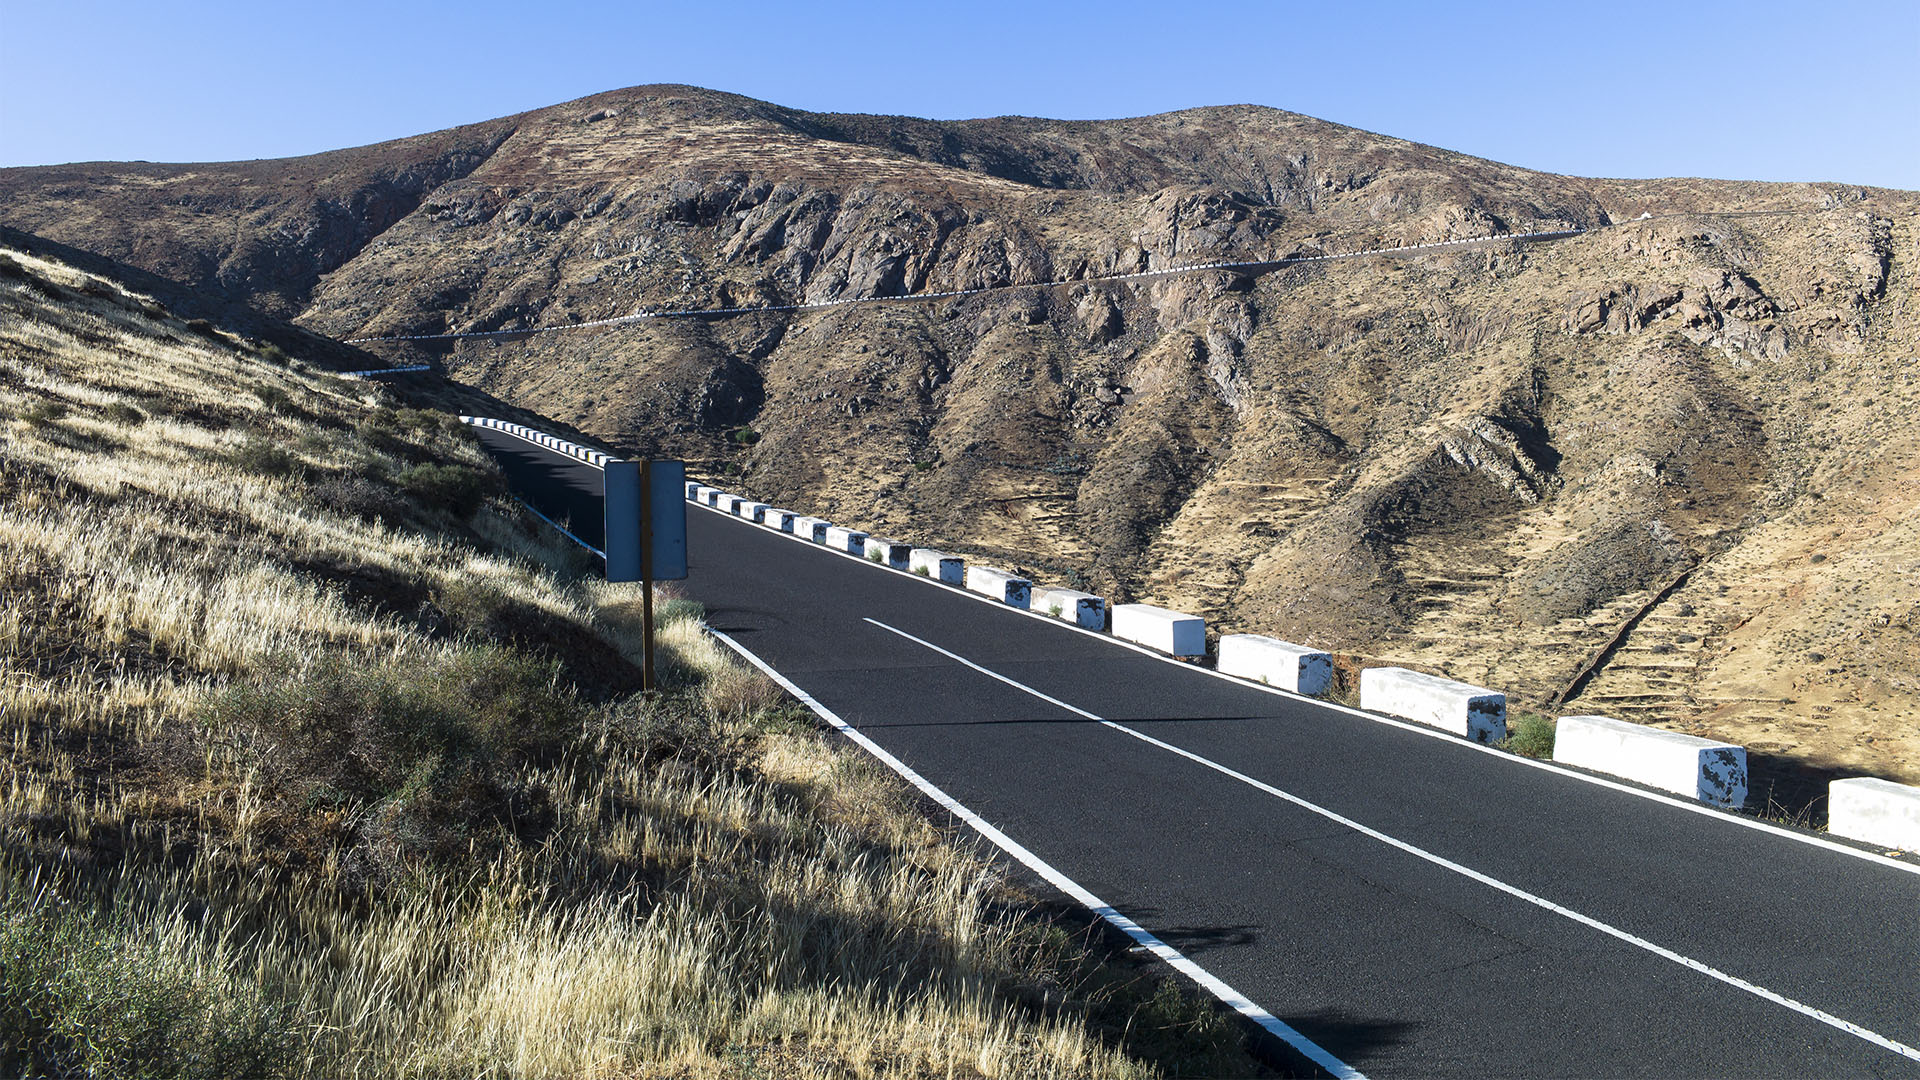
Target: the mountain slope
(1597, 470)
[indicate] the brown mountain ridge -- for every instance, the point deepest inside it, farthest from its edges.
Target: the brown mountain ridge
(1662, 470)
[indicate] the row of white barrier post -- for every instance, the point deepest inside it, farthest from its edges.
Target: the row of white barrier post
(1875, 811)
(558, 445)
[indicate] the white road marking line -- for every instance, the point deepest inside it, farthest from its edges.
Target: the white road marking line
(1448, 864)
(1691, 806)
(1214, 985)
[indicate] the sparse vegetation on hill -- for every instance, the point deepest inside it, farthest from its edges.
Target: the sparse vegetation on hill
(320, 760)
(1594, 473)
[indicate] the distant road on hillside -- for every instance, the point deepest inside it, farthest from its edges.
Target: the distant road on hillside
(1412, 904)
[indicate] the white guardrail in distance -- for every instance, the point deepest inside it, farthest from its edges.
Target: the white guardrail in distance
(851, 541)
(560, 446)
(938, 565)
(1473, 711)
(811, 529)
(1082, 609)
(779, 520)
(1298, 668)
(1173, 632)
(1010, 589)
(752, 511)
(1712, 772)
(1875, 811)
(889, 553)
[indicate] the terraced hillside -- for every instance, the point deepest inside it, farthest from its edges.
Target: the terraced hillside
(1489, 461)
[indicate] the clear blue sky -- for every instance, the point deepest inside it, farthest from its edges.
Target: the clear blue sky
(1811, 90)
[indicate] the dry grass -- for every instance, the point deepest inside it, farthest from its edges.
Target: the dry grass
(320, 760)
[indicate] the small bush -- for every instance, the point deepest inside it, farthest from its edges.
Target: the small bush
(425, 421)
(84, 997)
(744, 436)
(455, 488)
(257, 455)
(362, 497)
(204, 328)
(45, 413)
(275, 400)
(436, 746)
(874, 555)
(274, 354)
(1530, 734)
(125, 415)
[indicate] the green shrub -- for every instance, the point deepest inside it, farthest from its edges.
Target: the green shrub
(125, 415)
(275, 400)
(1530, 734)
(455, 488)
(744, 436)
(421, 420)
(83, 996)
(362, 496)
(435, 747)
(45, 413)
(274, 354)
(261, 456)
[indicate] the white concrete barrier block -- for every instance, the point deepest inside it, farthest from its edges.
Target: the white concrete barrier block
(1875, 811)
(1712, 772)
(1298, 668)
(1174, 632)
(1071, 605)
(938, 565)
(811, 528)
(714, 495)
(731, 503)
(752, 511)
(851, 541)
(693, 491)
(1010, 589)
(889, 553)
(1473, 711)
(778, 519)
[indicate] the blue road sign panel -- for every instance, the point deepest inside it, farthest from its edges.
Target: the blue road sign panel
(665, 552)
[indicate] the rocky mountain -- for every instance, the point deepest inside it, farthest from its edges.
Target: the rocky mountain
(1660, 470)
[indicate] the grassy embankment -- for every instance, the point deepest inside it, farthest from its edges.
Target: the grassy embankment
(320, 759)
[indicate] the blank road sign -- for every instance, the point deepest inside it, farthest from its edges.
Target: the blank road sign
(665, 552)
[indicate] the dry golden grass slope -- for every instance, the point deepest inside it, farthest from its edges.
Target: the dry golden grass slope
(320, 760)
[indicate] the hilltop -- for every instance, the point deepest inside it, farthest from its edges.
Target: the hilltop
(1654, 471)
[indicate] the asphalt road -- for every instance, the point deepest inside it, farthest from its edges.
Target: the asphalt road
(1413, 904)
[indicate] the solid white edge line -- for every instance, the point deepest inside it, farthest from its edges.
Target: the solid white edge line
(1731, 817)
(1214, 985)
(1441, 861)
